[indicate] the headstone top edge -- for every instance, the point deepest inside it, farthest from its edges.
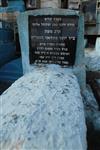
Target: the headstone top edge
(50, 11)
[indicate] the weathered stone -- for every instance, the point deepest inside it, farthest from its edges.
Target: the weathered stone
(92, 112)
(43, 110)
(92, 60)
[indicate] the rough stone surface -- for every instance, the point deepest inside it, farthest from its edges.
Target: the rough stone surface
(89, 100)
(91, 107)
(93, 63)
(43, 111)
(92, 112)
(93, 57)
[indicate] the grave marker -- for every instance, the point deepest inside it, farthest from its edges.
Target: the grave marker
(53, 39)
(53, 36)
(32, 4)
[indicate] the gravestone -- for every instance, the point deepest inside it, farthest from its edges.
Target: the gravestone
(52, 39)
(74, 4)
(89, 8)
(50, 3)
(53, 36)
(32, 4)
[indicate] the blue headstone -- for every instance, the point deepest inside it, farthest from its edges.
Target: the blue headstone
(11, 71)
(6, 35)
(13, 5)
(7, 52)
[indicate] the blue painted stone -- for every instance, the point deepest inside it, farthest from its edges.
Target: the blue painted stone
(7, 52)
(5, 24)
(6, 35)
(11, 71)
(14, 5)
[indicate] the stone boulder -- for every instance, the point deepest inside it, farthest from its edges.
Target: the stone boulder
(43, 110)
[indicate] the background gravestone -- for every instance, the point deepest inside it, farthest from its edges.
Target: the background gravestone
(50, 3)
(32, 4)
(36, 34)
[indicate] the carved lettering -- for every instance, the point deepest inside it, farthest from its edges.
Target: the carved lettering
(53, 39)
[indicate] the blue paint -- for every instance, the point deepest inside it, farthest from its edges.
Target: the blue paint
(13, 5)
(7, 52)
(11, 71)
(6, 35)
(5, 24)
